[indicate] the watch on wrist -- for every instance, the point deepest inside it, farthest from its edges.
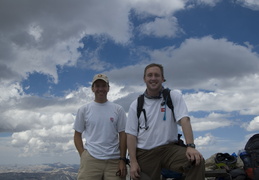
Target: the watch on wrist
(192, 145)
(123, 159)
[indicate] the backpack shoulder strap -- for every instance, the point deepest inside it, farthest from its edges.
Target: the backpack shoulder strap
(140, 104)
(140, 109)
(168, 100)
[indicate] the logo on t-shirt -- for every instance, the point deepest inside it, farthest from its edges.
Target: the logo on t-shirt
(162, 109)
(111, 119)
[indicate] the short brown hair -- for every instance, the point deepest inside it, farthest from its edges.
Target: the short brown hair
(155, 65)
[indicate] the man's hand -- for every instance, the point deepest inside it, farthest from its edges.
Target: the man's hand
(134, 170)
(193, 155)
(122, 172)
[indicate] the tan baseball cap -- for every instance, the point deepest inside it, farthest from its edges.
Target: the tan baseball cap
(101, 77)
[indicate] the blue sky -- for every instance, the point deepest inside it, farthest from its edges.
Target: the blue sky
(50, 50)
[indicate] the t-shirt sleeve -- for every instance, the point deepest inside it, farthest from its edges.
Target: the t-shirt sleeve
(132, 120)
(79, 124)
(180, 107)
(122, 119)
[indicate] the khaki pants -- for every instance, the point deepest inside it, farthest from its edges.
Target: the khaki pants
(96, 169)
(172, 157)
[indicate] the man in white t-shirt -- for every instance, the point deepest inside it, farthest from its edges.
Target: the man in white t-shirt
(102, 124)
(152, 137)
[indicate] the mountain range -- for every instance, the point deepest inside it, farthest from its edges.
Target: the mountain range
(56, 171)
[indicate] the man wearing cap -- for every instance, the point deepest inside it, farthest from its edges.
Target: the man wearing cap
(102, 124)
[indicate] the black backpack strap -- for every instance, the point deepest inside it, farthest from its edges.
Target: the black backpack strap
(140, 104)
(140, 109)
(168, 100)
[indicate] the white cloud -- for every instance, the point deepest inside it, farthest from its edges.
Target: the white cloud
(30, 60)
(210, 122)
(42, 38)
(36, 31)
(158, 7)
(251, 4)
(45, 126)
(161, 27)
(39, 40)
(116, 92)
(208, 64)
(50, 133)
(209, 144)
(10, 92)
(207, 140)
(252, 125)
(23, 112)
(21, 119)
(52, 141)
(237, 98)
(200, 63)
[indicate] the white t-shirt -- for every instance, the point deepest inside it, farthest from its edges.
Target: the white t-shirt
(161, 130)
(100, 124)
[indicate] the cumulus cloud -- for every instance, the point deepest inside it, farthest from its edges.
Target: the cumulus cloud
(161, 27)
(209, 64)
(54, 140)
(252, 125)
(43, 38)
(237, 98)
(212, 121)
(155, 7)
(37, 37)
(208, 58)
(21, 112)
(39, 131)
(252, 4)
(41, 125)
(207, 140)
(10, 91)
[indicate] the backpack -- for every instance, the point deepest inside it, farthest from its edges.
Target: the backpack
(252, 150)
(168, 101)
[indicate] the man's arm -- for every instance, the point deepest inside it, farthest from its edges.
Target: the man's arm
(123, 144)
(78, 142)
(123, 149)
(132, 145)
(191, 153)
(187, 130)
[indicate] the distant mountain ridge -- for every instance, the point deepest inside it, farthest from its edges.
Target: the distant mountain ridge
(56, 171)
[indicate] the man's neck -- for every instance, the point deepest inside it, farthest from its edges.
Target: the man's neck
(153, 94)
(101, 100)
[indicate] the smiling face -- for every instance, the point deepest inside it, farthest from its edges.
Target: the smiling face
(100, 89)
(153, 78)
